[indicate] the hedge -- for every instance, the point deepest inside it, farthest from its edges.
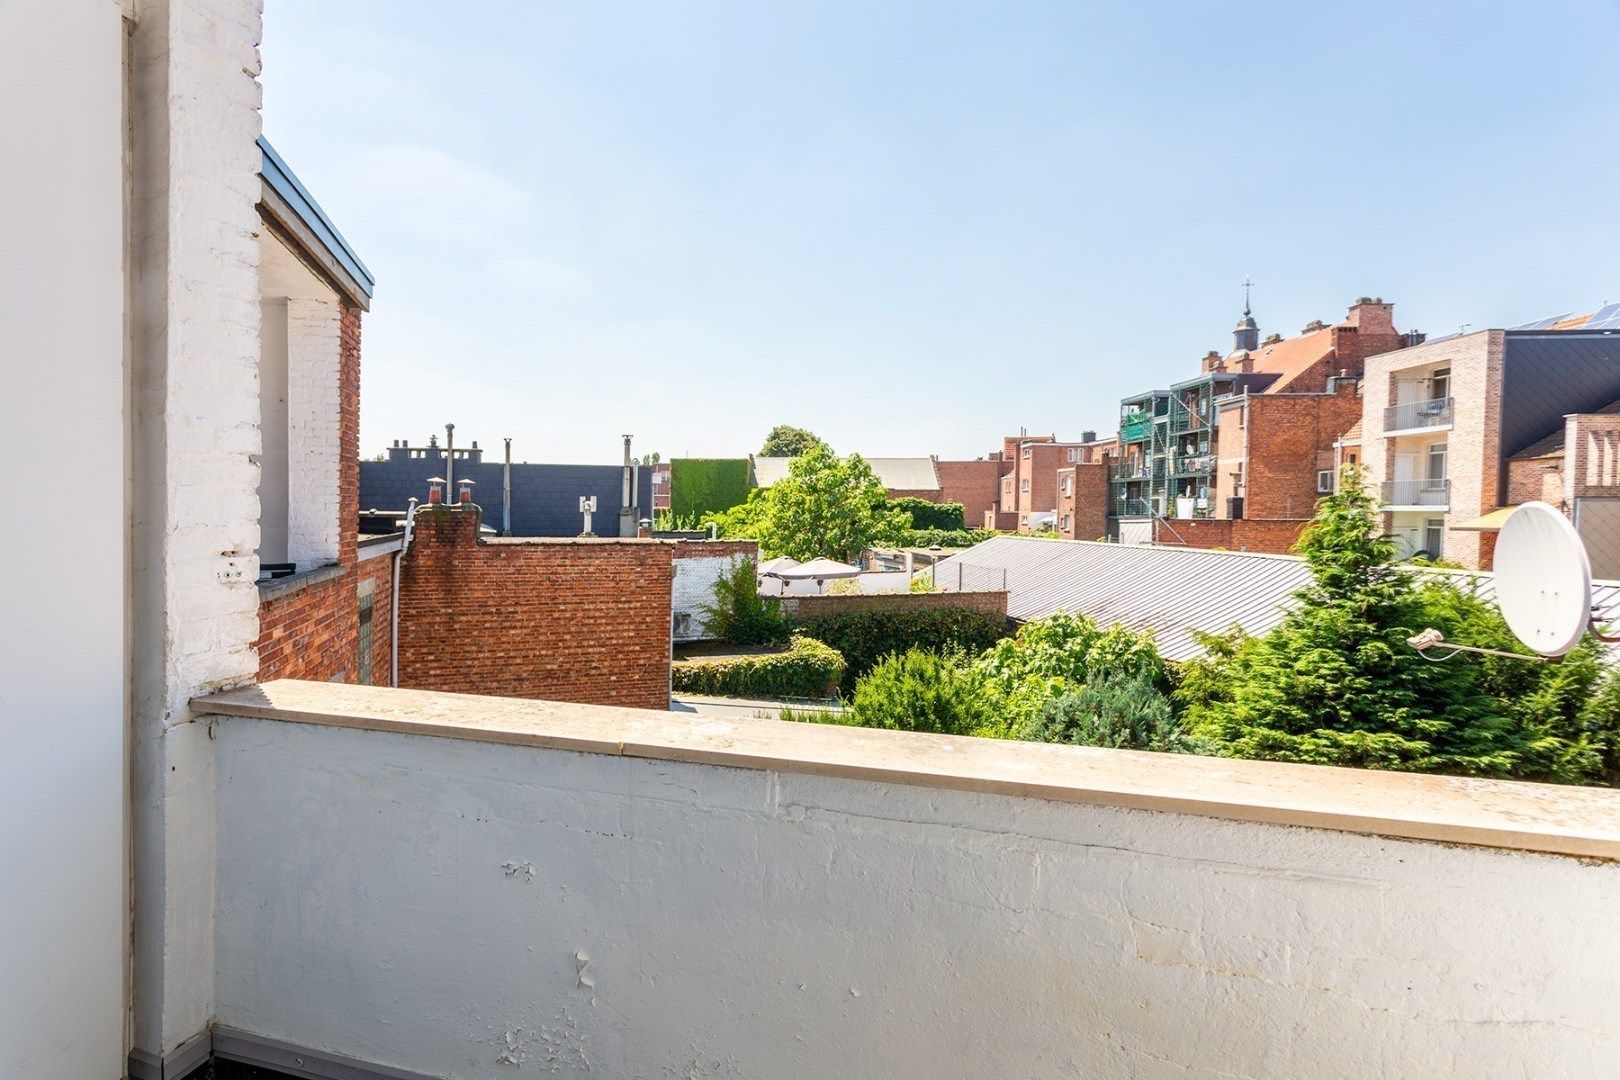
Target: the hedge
(931, 515)
(699, 486)
(806, 669)
(947, 538)
(865, 637)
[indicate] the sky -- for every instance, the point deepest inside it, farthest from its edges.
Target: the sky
(916, 227)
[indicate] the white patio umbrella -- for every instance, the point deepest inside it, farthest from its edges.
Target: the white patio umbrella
(819, 568)
(774, 567)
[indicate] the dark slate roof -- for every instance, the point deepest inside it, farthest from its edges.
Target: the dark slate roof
(545, 498)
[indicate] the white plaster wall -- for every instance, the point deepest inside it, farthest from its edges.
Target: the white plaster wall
(273, 484)
(313, 447)
(473, 910)
(62, 641)
(694, 587)
(194, 101)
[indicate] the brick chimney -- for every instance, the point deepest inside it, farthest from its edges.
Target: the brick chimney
(1372, 315)
(1212, 361)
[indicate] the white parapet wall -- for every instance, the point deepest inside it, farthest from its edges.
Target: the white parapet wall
(605, 892)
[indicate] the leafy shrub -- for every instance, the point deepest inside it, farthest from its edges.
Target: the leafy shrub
(946, 517)
(740, 615)
(843, 587)
(1118, 710)
(699, 486)
(946, 538)
(922, 583)
(806, 669)
(865, 637)
(922, 690)
(1059, 655)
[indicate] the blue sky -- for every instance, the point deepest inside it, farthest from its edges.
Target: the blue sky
(914, 227)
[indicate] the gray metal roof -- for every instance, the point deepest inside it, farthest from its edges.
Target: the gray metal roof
(1172, 591)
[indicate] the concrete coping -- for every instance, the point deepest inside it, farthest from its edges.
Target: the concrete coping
(281, 586)
(1553, 819)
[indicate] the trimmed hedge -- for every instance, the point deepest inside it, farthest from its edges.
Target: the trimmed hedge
(931, 515)
(699, 486)
(948, 538)
(865, 637)
(807, 669)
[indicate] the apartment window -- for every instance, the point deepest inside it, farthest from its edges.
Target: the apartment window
(1072, 452)
(1437, 461)
(1324, 481)
(1065, 523)
(366, 589)
(1024, 486)
(1440, 384)
(1026, 453)
(1434, 537)
(1068, 485)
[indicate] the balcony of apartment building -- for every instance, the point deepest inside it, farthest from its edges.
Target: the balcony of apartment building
(1422, 406)
(413, 884)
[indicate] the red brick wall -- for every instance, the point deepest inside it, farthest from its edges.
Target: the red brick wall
(1275, 537)
(704, 549)
(816, 607)
(1289, 439)
(563, 620)
(974, 484)
(926, 494)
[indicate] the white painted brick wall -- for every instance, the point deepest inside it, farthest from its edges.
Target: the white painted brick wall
(313, 447)
(694, 587)
(194, 116)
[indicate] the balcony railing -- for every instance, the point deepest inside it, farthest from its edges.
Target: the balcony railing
(1135, 428)
(1130, 507)
(558, 870)
(1129, 470)
(1193, 464)
(1434, 412)
(1435, 493)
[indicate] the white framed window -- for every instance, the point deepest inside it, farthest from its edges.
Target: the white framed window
(1324, 481)
(1072, 453)
(1434, 536)
(1068, 485)
(1065, 524)
(1025, 485)
(1026, 453)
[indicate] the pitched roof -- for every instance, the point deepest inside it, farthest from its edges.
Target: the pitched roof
(895, 473)
(1292, 357)
(1353, 434)
(1173, 591)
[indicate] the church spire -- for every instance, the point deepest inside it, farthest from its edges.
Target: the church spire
(1246, 337)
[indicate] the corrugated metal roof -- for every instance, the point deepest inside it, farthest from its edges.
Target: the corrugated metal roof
(1172, 591)
(895, 473)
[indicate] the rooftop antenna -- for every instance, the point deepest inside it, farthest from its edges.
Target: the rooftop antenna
(1543, 587)
(1462, 328)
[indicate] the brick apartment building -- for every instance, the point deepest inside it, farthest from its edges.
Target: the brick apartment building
(1030, 496)
(1237, 456)
(976, 484)
(325, 615)
(1456, 431)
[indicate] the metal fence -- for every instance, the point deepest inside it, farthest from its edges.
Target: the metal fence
(954, 575)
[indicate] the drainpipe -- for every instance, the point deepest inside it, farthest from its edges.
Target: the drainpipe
(449, 457)
(393, 633)
(506, 492)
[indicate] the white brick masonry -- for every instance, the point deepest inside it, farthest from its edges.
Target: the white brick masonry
(193, 102)
(313, 410)
(694, 588)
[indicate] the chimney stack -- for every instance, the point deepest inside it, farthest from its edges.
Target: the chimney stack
(465, 494)
(435, 490)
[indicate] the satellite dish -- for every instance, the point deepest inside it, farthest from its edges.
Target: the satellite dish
(1543, 579)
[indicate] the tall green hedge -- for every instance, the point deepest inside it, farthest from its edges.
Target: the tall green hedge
(807, 669)
(865, 637)
(699, 486)
(931, 515)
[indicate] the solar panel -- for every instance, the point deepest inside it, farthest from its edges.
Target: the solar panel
(1542, 324)
(1606, 317)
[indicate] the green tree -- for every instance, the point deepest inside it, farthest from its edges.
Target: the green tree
(1335, 683)
(1119, 710)
(785, 440)
(921, 690)
(739, 615)
(828, 508)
